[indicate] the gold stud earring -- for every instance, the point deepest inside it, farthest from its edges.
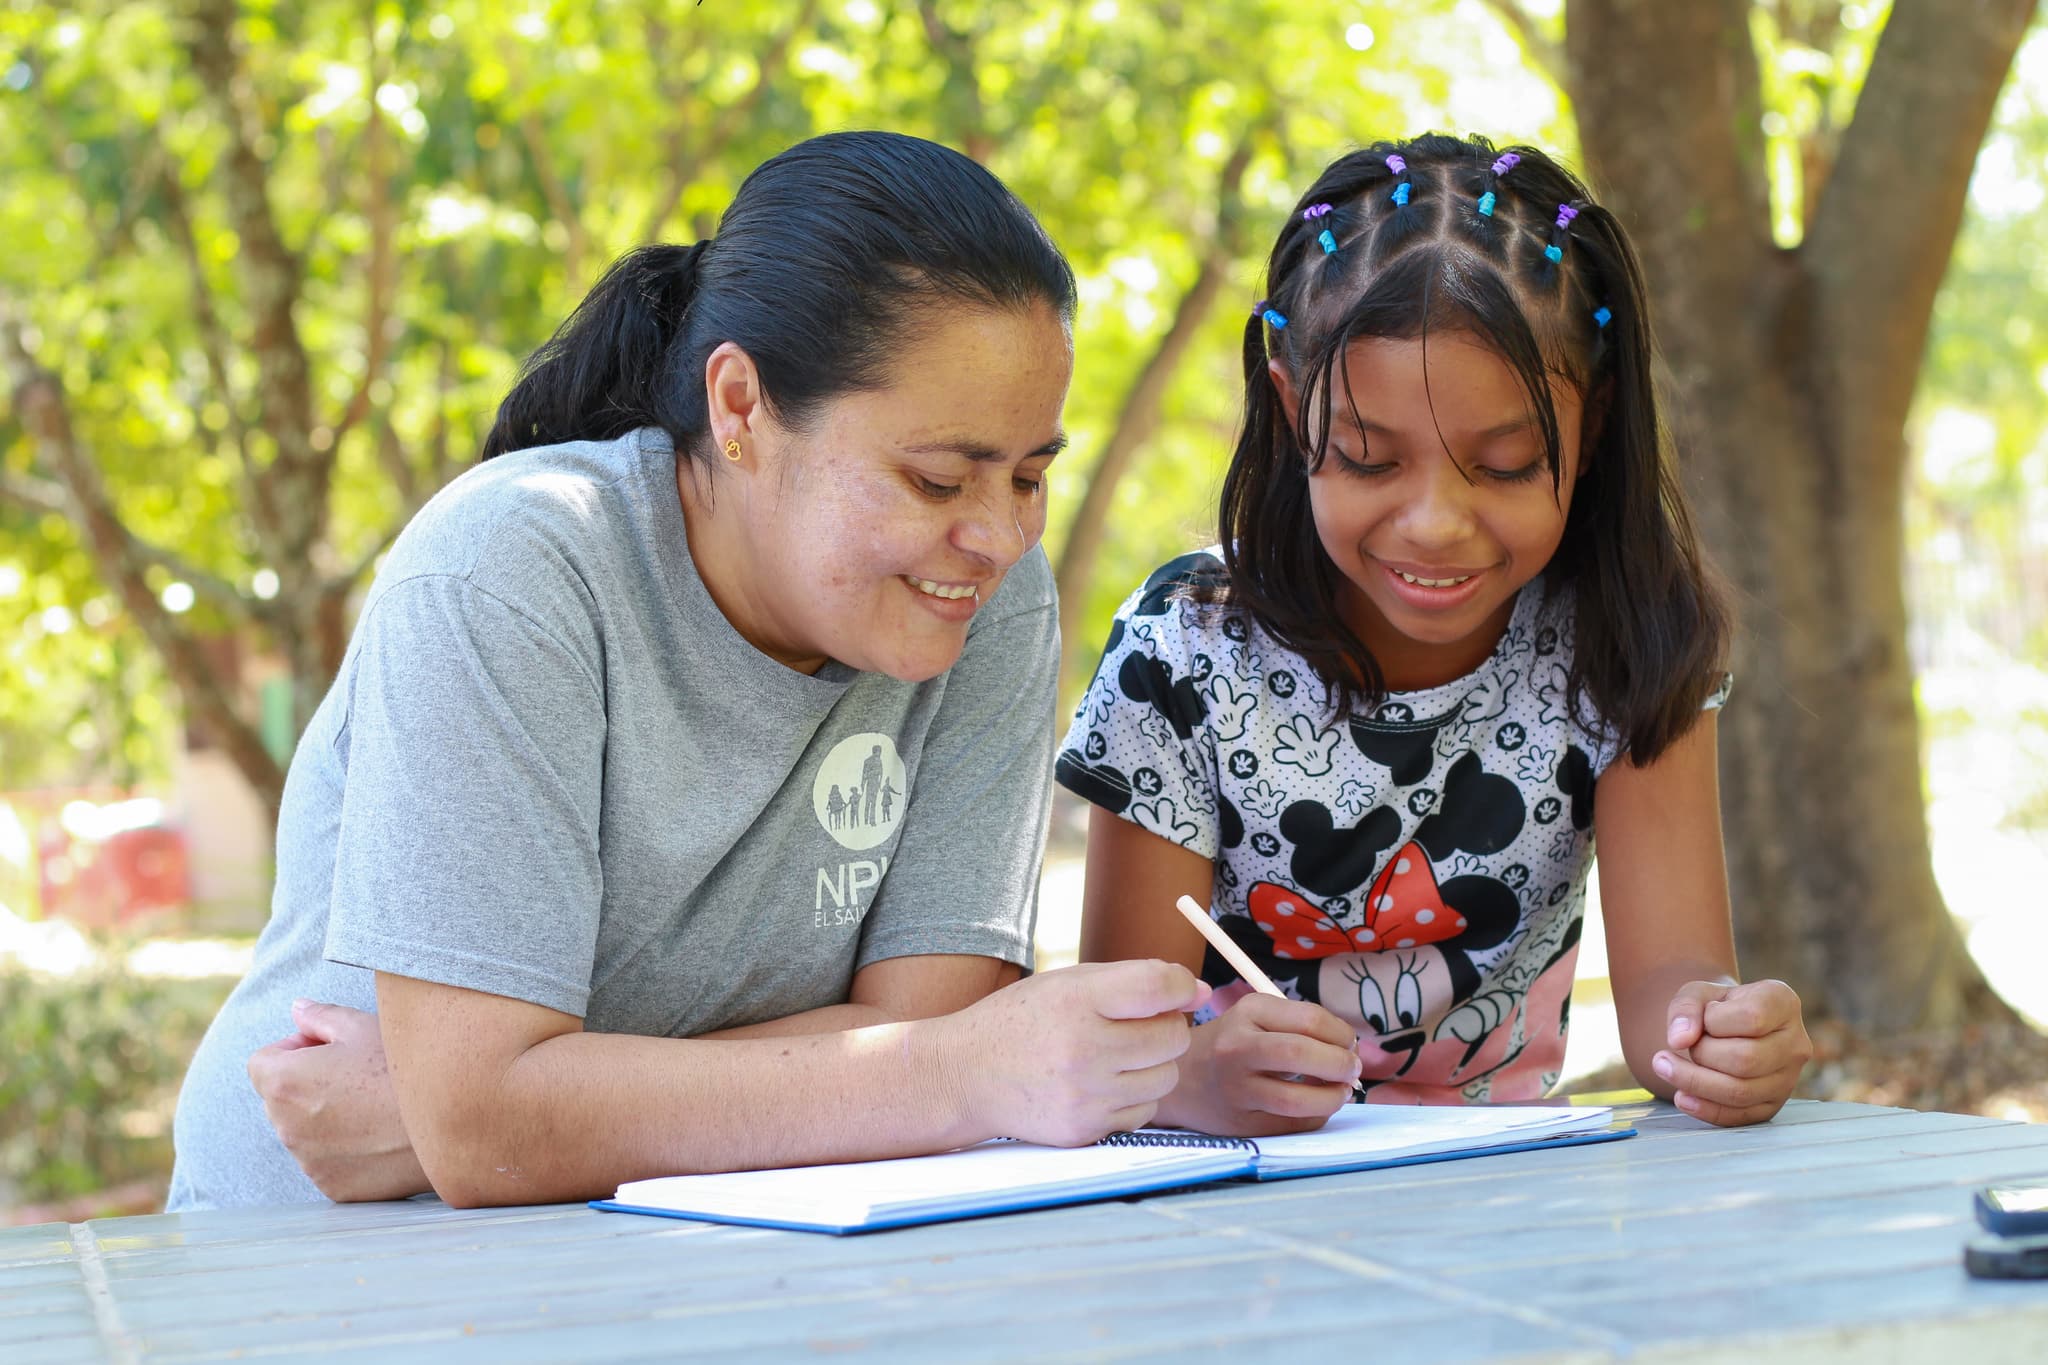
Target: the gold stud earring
(732, 451)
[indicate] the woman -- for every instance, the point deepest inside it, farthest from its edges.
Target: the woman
(759, 526)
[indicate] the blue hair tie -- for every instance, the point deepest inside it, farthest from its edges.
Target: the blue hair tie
(1554, 252)
(1486, 204)
(1273, 319)
(1401, 193)
(1602, 316)
(1329, 242)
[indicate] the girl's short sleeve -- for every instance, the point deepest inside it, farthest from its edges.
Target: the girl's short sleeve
(1139, 745)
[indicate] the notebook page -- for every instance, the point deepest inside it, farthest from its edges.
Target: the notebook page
(1388, 1130)
(853, 1192)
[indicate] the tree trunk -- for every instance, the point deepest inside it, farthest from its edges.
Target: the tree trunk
(1789, 375)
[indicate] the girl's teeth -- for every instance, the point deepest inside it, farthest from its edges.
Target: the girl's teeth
(1434, 582)
(925, 585)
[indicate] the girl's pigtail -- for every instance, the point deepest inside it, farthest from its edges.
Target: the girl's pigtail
(1477, 209)
(1402, 219)
(1258, 443)
(1550, 274)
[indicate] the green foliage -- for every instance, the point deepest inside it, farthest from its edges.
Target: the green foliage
(93, 1064)
(1989, 350)
(504, 155)
(1978, 521)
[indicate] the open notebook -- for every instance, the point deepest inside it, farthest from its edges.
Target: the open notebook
(1002, 1176)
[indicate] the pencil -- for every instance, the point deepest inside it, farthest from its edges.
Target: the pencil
(1235, 956)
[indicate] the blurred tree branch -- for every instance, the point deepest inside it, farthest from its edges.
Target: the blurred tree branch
(214, 345)
(38, 401)
(294, 484)
(685, 162)
(382, 274)
(956, 48)
(1139, 413)
(533, 134)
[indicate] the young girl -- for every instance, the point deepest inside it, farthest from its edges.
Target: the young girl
(1457, 627)
(758, 528)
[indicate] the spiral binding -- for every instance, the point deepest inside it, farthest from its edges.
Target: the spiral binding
(1155, 1139)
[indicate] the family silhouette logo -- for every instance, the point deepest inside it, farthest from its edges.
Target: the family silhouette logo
(860, 789)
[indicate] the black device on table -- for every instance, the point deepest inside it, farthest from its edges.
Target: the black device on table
(2016, 1213)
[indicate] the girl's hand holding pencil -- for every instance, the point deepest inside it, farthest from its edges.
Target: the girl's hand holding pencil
(1267, 1064)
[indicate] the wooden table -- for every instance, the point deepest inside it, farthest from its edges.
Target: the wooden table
(1833, 1233)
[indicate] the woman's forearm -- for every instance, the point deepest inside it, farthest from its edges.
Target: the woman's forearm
(578, 1114)
(829, 1019)
(510, 1103)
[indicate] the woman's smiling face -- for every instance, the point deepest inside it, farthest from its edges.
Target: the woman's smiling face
(873, 533)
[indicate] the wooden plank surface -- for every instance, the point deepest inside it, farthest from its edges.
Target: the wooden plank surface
(1833, 1233)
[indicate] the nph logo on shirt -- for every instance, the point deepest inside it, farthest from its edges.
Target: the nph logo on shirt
(858, 797)
(859, 792)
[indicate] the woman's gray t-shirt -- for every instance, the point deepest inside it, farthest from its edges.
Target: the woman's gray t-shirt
(550, 769)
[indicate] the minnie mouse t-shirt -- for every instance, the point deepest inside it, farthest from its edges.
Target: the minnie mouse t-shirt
(1418, 867)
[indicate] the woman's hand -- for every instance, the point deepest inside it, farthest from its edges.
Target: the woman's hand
(329, 1095)
(1068, 1056)
(1264, 1066)
(1735, 1052)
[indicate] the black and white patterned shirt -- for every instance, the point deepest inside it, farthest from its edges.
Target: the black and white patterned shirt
(1417, 866)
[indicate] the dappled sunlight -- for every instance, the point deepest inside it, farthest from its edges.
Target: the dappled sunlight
(1987, 815)
(51, 947)
(57, 948)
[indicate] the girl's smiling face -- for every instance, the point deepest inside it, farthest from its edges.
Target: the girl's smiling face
(1434, 499)
(873, 533)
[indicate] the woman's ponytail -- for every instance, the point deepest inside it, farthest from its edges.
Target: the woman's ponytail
(604, 372)
(819, 270)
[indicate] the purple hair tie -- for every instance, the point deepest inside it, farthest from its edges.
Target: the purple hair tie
(1315, 211)
(1507, 162)
(1397, 165)
(1565, 214)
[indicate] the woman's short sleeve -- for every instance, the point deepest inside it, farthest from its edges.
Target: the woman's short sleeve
(964, 876)
(467, 852)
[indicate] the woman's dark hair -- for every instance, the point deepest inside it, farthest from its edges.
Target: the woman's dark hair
(818, 272)
(1528, 280)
